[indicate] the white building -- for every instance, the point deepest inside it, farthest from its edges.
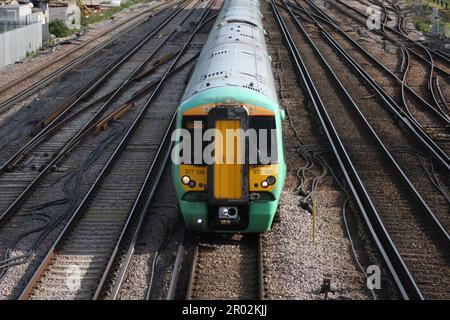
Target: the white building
(15, 12)
(22, 28)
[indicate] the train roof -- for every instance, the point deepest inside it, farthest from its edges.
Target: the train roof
(235, 54)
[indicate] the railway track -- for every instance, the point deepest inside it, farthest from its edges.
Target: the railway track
(139, 144)
(391, 12)
(443, 60)
(218, 266)
(96, 232)
(401, 21)
(430, 90)
(227, 268)
(403, 146)
(94, 87)
(406, 232)
(433, 132)
(429, 65)
(76, 266)
(22, 171)
(43, 75)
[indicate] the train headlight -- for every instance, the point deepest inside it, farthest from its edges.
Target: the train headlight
(192, 183)
(271, 180)
(264, 184)
(185, 180)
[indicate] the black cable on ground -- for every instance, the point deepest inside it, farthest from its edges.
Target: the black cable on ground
(312, 157)
(71, 190)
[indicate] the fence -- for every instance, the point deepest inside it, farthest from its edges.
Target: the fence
(19, 40)
(11, 25)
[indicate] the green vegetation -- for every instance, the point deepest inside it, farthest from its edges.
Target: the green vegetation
(33, 54)
(423, 10)
(59, 29)
(422, 24)
(107, 14)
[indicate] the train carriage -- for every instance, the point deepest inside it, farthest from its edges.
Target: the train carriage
(231, 89)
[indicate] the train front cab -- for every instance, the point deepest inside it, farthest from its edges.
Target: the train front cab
(231, 196)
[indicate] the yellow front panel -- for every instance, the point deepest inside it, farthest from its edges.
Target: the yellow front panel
(259, 174)
(227, 177)
(196, 173)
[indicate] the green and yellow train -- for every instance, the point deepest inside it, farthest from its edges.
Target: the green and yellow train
(231, 184)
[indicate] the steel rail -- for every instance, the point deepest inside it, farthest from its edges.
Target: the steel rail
(397, 269)
(401, 19)
(143, 196)
(434, 90)
(410, 123)
(407, 61)
(159, 157)
(385, 16)
(138, 94)
(444, 53)
(192, 272)
(406, 37)
(393, 162)
(10, 102)
(363, 22)
(92, 86)
(260, 268)
(136, 213)
(78, 47)
(440, 94)
(171, 292)
(69, 146)
(54, 113)
(71, 223)
(259, 289)
(144, 90)
(141, 92)
(437, 68)
(440, 114)
(395, 9)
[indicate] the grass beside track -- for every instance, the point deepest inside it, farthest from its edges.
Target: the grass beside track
(60, 30)
(108, 13)
(422, 10)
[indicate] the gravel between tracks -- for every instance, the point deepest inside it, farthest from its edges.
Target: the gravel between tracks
(12, 284)
(294, 265)
(17, 70)
(159, 222)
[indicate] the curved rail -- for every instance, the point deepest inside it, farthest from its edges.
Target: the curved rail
(394, 261)
(443, 57)
(410, 122)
